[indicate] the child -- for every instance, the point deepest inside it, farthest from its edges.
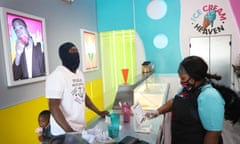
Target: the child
(44, 134)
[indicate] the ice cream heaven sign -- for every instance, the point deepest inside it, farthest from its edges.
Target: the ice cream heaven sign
(209, 20)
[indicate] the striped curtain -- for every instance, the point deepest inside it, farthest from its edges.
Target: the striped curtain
(117, 52)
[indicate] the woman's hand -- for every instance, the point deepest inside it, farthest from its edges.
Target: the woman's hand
(161, 110)
(152, 114)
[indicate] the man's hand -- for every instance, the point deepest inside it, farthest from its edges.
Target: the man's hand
(19, 50)
(19, 47)
(103, 113)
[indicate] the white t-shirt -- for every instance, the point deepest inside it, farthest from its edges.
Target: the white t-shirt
(69, 87)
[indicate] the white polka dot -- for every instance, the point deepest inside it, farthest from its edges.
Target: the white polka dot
(157, 9)
(160, 41)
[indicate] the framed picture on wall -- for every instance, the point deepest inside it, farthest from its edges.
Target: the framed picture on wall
(25, 47)
(89, 50)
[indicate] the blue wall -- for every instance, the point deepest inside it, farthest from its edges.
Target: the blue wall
(114, 15)
(126, 14)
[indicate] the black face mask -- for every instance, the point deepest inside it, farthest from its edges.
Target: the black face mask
(69, 60)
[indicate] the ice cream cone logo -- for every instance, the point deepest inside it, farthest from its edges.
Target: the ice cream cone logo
(209, 19)
(206, 23)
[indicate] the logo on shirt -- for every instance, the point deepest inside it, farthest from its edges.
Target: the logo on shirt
(78, 90)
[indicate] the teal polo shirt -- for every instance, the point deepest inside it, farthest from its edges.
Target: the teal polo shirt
(211, 108)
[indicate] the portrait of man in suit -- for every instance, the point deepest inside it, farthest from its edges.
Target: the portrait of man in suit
(29, 59)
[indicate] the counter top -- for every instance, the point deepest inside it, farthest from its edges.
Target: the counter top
(127, 129)
(140, 78)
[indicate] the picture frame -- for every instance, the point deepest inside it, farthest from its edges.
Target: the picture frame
(25, 51)
(89, 50)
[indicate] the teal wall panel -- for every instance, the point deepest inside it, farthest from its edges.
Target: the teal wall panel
(114, 15)
(165, 59)
(133, 14)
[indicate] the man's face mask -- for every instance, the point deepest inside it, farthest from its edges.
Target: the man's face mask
(69, 59)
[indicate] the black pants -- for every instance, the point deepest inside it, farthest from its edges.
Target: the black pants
(220, 140)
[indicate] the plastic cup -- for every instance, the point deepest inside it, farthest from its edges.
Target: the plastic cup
(113, 129)
(125, 75)
(126, 112)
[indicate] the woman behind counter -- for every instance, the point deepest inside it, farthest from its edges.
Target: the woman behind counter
(199, 109)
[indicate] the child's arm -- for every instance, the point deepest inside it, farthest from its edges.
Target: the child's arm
(42, 138)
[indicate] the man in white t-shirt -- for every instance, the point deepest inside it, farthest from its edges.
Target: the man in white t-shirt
(66, 94)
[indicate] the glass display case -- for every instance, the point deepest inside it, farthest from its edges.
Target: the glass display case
(151, 95)
(147, 90)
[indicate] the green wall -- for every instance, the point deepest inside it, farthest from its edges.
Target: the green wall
(117, 52)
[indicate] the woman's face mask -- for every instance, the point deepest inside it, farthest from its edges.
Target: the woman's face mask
(186, 85)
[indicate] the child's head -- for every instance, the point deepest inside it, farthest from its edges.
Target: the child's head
(43, 118)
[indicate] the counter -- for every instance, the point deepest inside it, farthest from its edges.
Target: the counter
(150, 92)
(127, 129)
